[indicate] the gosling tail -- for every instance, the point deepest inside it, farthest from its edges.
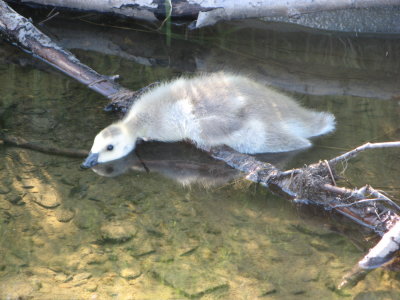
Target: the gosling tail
(323, 124)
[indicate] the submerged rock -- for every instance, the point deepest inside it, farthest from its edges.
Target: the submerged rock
(4, 190)
(190, 282)
(88, 217)
(117, 231)
(5, 205)
(91, 287)
(130, 273)
(21, 288)
(64, 214)
(14, 198)
(61, 277)
(82, 276)
(375, 295)
(80, 279)
(94, 259)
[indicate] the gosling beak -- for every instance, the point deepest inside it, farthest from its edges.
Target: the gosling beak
(90, 161)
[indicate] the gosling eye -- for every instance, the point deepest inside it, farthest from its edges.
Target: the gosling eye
(110, 147)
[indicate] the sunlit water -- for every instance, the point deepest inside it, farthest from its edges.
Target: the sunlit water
(190, 227)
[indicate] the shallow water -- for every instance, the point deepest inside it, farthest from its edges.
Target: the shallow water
(72, 234)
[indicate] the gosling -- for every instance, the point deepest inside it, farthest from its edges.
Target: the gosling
(211, 110)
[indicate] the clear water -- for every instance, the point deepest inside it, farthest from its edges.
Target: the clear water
(72, 234)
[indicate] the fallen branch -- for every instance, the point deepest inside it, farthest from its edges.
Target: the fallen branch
(384, 251)
(313, 184)
(20, 31)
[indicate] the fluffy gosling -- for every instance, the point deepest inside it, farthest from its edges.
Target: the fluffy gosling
(210, 110)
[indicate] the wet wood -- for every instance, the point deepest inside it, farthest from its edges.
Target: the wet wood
(20, 31)
(314, 184)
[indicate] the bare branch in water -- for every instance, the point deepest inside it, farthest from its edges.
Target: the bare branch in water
(22, 32)
(361, 148)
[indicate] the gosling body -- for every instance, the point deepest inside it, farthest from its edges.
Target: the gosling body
(215, 109)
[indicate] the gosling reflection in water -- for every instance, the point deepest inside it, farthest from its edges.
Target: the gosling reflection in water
(180, 162)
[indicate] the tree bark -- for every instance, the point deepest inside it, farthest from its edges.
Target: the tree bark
(20, 31)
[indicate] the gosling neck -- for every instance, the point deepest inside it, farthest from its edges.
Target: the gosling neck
(135, 127)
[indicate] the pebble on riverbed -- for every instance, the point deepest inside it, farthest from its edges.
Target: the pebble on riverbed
(61, 277)
(91, 287)
(64, 214)
(191, 282)
(21, 288)
(82, 276)
(130, 273)
(117, 231)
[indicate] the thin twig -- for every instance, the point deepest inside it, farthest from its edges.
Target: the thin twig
(49, 16)
(358, 202)
(366, 146)
(330, 172)
(378, 194)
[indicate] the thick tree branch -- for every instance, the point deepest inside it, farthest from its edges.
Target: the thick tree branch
(23, 33)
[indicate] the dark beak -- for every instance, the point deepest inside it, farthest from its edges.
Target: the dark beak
(90, 161)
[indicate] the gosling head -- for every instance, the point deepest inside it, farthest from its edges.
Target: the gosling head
(112, 143)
